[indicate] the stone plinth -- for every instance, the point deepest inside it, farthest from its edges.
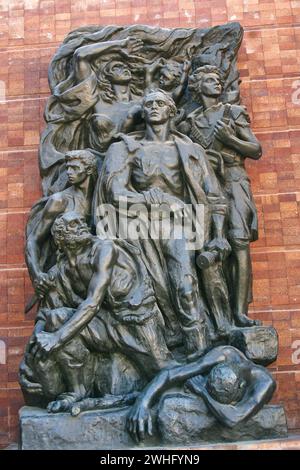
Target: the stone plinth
(182, 420)
(92, 430)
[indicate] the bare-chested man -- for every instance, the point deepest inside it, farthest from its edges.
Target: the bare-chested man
(160, 166)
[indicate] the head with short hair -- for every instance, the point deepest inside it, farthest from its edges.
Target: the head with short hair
(158, 106)
(225, 383)
(206, 80)
(80, 164)
(70, 230)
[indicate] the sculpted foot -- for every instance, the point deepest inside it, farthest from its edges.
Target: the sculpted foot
(244, 321)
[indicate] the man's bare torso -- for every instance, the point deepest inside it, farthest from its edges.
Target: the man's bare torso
(158, 166)
(125, 280)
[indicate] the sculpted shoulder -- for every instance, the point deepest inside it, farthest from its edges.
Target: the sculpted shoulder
(57, 202)
(116, 157)
(120, 152)
(115, 148)
(105, 251)
(240, 113)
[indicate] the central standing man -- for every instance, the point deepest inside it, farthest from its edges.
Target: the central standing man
(160, 166)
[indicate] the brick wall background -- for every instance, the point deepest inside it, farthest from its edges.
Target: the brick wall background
(269, 62)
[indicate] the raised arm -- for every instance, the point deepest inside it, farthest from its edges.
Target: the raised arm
(150, 71)
(85, 54)
(54, 207)
(178, 92)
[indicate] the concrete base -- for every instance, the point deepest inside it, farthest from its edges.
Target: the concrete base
(182, 421)
(92, 430)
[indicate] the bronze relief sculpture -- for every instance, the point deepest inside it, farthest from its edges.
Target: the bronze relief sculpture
(139, 251)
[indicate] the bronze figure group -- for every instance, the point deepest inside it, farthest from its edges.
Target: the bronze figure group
(144, 128)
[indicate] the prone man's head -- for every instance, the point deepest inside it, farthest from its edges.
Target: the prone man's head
(80, 164)
(225, 384)
(158, 107)
(206, 81)
(70, 231)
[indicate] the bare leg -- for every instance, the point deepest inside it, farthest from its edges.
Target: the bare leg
(241, 284)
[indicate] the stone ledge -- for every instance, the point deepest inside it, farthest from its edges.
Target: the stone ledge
(92, 430)
(183, 422)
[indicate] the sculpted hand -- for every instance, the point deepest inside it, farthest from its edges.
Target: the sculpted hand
(139, 421)
(47, 342)
(154, 196)
(43, 283)
(134, 45)
(221, 245)
(25, 378)
(223, 132)
(152, 68)
(32, 387)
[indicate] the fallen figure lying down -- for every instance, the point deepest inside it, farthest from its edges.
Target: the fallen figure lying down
(233, 388)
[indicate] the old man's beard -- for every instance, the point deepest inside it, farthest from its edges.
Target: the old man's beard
(77, 240)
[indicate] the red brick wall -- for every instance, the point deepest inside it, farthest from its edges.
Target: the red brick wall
(269, 61)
